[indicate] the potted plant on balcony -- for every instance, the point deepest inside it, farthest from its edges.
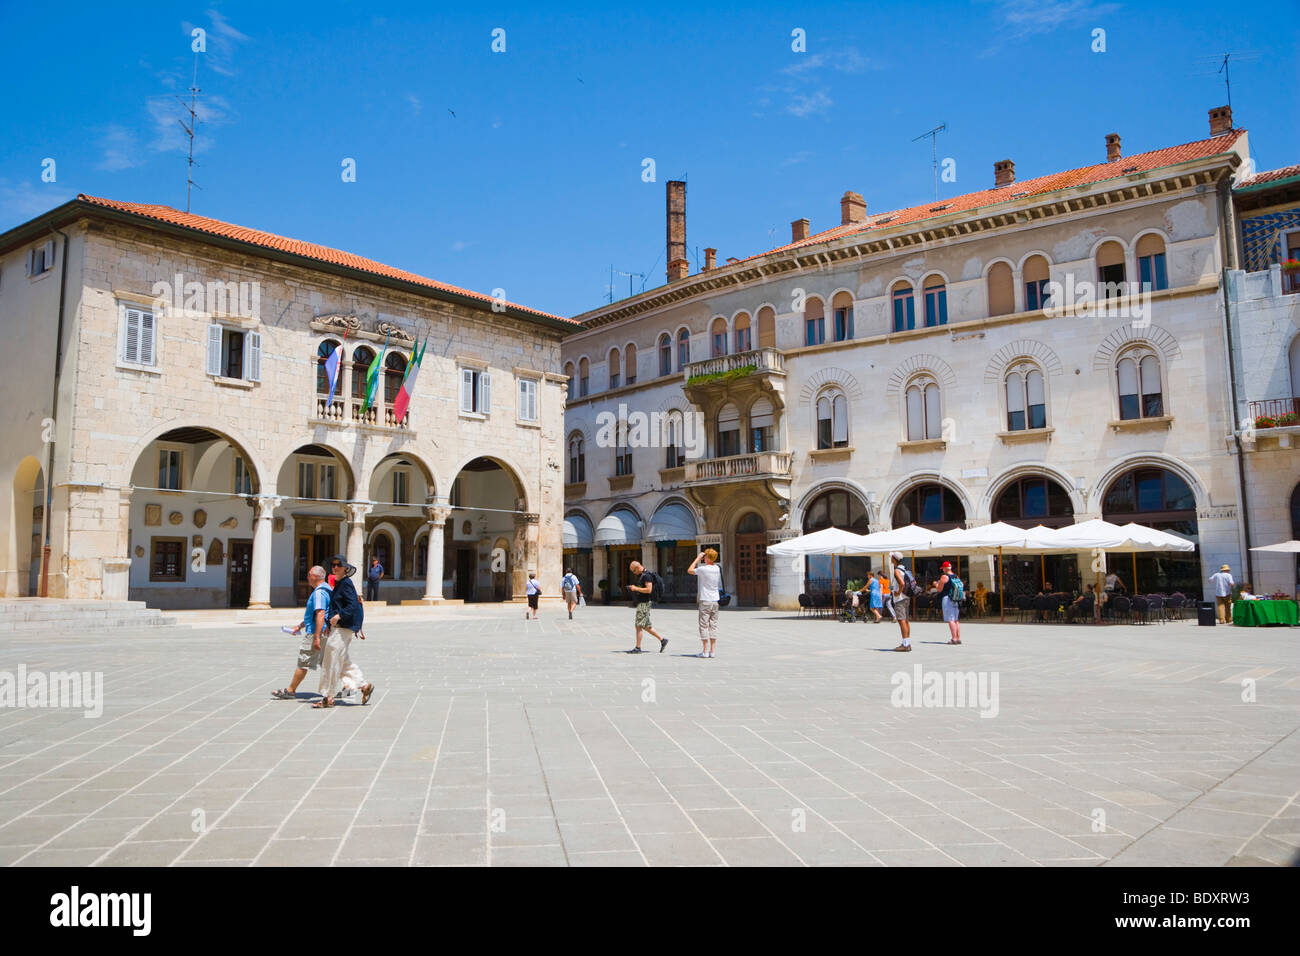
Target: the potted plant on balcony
(1285, 420)
(1291, 265)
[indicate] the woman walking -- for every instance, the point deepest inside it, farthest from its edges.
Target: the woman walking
(874, 600)
(949, 589)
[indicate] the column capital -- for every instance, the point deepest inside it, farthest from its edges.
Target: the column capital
(437, 514)
(357, 511)
(526, 519)
(265, 504)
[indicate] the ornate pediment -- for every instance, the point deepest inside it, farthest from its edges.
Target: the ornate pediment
(389, 330)
(342, 321)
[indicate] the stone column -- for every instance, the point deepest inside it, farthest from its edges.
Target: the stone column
(259, 588)
(356, 546)
(524, 552)
(598, 570)
(437, 516)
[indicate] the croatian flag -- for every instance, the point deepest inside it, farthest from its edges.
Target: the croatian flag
(403, 400)
(332, 365)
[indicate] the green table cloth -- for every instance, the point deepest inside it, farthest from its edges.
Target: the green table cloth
(1257, 613)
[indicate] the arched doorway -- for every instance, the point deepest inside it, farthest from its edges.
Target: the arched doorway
(835, 508)
(27, 524)
(673, 531)
(1155, 498)
(751, 561)
(492, 543)
(191, 521)
(400, 489)
(934, 507)
(314, 483)
(1025, 503)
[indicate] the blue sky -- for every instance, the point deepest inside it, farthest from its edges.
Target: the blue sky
(535, 183)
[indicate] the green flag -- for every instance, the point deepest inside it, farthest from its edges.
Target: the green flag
(372, 378)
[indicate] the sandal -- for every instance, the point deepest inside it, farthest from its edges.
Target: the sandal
(365, 694)
(283, 693)
(955, 642)
(322, 703)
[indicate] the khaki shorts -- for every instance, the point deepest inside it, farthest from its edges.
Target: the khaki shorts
(306, 656)
(901, 605)
(643, 615)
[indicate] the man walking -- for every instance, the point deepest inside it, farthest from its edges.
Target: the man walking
(346, 617)
(1223, 584)
(645, 585)
(373, 577)
(950, 590)
(572, 589)
(534, 592)
(310, 627)
(901, 588)
(709, 576)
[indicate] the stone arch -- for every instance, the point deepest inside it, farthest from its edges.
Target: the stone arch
(350, 468)
(509, 466)
(394, 572)
(920, 362)
(1046, 256)
(1159, 339)
(260, 471)
(1042, 354)
(829, 376)
(798, 508)
(925, 478)
(1148, 460)
(1028, 469)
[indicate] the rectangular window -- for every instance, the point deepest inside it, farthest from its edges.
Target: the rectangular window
(327, 482)
(169, 469)
(761, 439)
(743, 341)
(476, 392)
(167, 562)
(1036, 295)
(233, 344)
(1151, 272)
(666, 360)
(243, 479)
(613, 379)
(623, 463)
(843, 324)
(401, 487)
(936, 306)
(582, 387)
(904, 311)
(40, 259)
(1111, 279)
(528, 399)
(814, 331)
(137, 335)
(728, 442)
(306, 480)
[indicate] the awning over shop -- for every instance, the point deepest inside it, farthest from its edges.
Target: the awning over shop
(577, 532)
(672, 522)
(618, 527)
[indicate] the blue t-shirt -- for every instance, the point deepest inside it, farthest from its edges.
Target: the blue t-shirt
(375, 571)
(318, 601)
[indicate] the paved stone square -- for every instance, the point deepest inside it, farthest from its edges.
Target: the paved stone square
(492, 740)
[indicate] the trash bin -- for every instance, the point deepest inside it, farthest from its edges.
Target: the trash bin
(1205, 614)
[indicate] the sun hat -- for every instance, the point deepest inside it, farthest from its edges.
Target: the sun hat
(348, 570)
(1225, 568)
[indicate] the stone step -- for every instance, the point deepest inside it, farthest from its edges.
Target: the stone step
(24, 627)
(37, 614)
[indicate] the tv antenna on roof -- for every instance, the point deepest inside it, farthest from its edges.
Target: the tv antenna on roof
(1225, 70)
(934, 148)
(189, 131)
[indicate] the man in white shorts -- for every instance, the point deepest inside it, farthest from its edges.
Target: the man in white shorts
(709, 576)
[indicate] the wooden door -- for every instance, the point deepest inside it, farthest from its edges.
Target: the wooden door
(751, 569)
(239, 572)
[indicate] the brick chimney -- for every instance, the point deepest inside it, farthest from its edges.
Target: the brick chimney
(1004, 173)
(1112, 147)
(678, 264)
(710, 259)
(1220, 120)
(853, 208)
(799, 229)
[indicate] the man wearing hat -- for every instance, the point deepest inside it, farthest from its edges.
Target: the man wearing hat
(1223, 584)
(346, 617)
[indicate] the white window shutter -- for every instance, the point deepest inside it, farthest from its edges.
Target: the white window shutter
(49, 254)
(523, 399)
(840, 422)
(253, 356)
(147, 336)
(933, 426)
(485, 393)
(466, 390)
(214, 350)
(131, 336)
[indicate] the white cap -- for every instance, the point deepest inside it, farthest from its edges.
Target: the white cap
(896, 555)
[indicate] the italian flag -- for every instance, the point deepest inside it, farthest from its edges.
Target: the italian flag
(403, 400)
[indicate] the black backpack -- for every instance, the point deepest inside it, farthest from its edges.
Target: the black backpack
(910, 587)
(656, 587)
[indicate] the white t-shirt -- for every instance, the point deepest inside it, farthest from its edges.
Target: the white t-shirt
(710, 578)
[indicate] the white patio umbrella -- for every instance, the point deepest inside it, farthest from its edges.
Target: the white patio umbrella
(1288, 547)
(986, 539)
(907, 538)
(826, 542)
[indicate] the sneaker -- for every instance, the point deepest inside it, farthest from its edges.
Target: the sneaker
(903, 647)
(711, 654)
(635, 650)
(662, 644)
(701, 654)
(570, 615)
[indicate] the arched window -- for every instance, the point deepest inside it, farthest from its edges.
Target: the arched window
(936, 301)
(814, 321)
(744, 338)
(1002, 289)
(1026, 399)
(1156, 498)
(1110, 270)
(1036, 276)
(614, 381)
(361, 359)
(752, 523)
(904, 306)
(728, 431)
(323, 352)
(665, 354)
(842, 307)
(762, 426)
(683, 348)
(718, 337)
(577, 459)
(584, 377)
(837, 509)
(394, 374)
(1151, 263)
(629, 364)
(622, 452)
(674, 439)
(932, 506)
(924, 417)
(766, 327)
(1140, 391)
(1031, 501)
(832, 419)
(568, 373)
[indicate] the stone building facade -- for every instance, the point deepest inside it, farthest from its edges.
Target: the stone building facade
(1040, 352)
(198, 459)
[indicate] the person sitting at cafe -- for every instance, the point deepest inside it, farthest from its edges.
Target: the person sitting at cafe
(981, 597)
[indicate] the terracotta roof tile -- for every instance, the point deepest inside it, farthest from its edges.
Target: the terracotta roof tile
(1269, 176)
(1084, 176)
(308, 250)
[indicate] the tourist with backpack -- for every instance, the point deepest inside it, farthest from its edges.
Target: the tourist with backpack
(904, 589)
(952, 592)
(651, 586)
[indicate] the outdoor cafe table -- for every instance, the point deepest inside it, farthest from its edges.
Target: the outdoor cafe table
(1258, 613)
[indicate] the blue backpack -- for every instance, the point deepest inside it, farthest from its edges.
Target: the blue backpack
(958, 590)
